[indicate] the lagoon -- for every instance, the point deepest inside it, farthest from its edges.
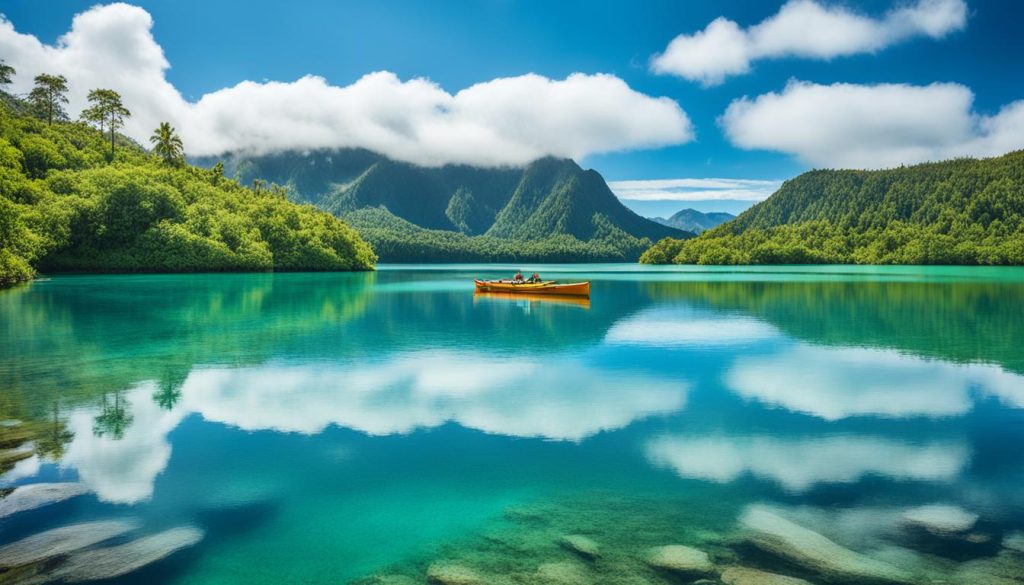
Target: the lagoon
(377, 427)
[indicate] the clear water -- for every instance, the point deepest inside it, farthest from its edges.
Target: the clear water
(328, 428)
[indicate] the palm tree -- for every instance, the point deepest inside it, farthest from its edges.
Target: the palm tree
(167, 144)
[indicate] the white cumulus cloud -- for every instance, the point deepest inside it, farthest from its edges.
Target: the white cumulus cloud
(802, 28)
(872, 126)
(505, 121)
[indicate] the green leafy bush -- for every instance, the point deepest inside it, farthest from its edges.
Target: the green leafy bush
(63, 207)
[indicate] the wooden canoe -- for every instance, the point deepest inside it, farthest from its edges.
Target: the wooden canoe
(548, 287)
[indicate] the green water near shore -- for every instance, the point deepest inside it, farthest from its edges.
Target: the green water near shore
(326, 428)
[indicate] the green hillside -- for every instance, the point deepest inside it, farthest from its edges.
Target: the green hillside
(962, 211)
(691, 220)
(550, 209)
(67, 205)
(398, 240)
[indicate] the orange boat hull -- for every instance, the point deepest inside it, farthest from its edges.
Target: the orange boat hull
(575, 289)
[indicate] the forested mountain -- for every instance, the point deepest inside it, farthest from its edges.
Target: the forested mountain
(549, 210)
(70, 202)
(691, 220)
(962, 211)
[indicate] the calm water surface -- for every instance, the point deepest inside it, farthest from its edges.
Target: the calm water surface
(328, 428)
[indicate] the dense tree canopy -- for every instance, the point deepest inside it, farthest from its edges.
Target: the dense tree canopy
(398, 240)
(64, 207)
(962, 211)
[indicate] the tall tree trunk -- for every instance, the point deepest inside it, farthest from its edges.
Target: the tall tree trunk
(111, 140)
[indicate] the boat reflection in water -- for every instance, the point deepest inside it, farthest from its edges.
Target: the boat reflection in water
(532, 298)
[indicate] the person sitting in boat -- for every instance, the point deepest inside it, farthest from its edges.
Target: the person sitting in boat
(518, 278)
(534, 278)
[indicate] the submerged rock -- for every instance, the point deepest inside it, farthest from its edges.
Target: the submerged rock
(680, 559)
(28, 497)
(1014, 542)
(60, 541)
(940, 519)
(747, 576)
(777, 536)
(946, 531)
(581, 545)
(114, 561)
(452, 574)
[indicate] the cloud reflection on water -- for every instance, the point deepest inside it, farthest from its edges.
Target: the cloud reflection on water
(799, 464)
(123, 470)
(833, 383)
(564, 397)
(672, 327)
(555, 398)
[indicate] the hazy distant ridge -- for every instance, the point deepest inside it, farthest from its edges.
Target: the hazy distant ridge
(691, 220)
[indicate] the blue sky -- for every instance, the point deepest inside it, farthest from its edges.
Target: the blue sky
(457, 43)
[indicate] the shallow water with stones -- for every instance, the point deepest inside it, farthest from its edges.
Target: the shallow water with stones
(826, 424)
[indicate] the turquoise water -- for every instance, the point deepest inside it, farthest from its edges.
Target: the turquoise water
(329, 428)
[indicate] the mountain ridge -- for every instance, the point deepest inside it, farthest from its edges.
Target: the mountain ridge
(959, 211)
(548, 198)
(691, 220)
